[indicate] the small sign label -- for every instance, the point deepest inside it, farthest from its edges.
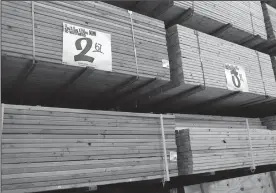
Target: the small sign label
(165, 63)
(236, 78)
(86, 47)
(173, 156)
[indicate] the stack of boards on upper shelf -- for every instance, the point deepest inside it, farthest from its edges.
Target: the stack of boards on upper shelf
(37, 33)
(201, 66)
(241, 22)
(209, 55)
(270, 24)
(209, 143)
(47, 148)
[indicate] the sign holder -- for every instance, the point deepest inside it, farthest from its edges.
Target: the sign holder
(85, 47)
(235, 78)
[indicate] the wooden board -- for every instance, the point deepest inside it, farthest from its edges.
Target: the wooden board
(211, 54)
(210, 143)
(49, 76)
(47, 148)
(245, 19)
(239, 22)
(1, 130)
(198, 75)
(257, 183)
(270, 20)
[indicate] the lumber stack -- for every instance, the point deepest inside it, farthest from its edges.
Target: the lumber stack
(273, 61)
(198, 73)
(49, 74)
(191, 120)
(209, 143)
(270, 20)
(199, 59)
(209, 55)
(47, 148)
(256, 183)
(237, 21)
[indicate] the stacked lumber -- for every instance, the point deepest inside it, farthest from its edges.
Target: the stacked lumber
(270, 20)
(257, 18)
(47, 148)
(190, 120)
(273, 61)
(208, 56)
(199, 59)
(237, 21)
(209, 143)
(49, 74)
(198, 73)
(257, 183)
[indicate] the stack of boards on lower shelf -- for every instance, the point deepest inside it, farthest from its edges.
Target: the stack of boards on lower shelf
(256, 183)
(47, 148)
(34, 30)
(198, 66)
(208, 144)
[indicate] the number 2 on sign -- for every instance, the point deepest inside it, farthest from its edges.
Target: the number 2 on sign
(82, 55)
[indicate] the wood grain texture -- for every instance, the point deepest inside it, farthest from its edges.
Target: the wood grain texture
(246, 18)
(1, 138)
(222, 143)
(49, 74)
(257, 183)
(90, 148)
(270, 20)
(202, 61)
(198, 74)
